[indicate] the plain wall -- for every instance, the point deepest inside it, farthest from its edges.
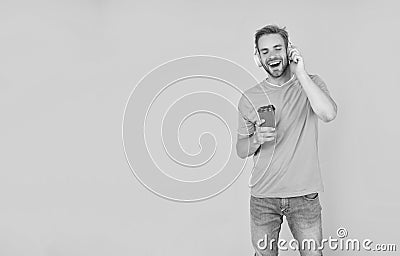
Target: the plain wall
(67, 69)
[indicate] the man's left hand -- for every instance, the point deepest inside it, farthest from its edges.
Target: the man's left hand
(297, 62)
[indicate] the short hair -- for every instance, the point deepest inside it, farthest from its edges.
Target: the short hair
(271, 29)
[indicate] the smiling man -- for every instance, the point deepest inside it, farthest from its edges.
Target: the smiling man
(286, 177)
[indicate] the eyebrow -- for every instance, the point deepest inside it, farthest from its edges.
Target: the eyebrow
(277, 45)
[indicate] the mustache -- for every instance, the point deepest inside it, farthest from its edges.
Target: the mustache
(274, 59)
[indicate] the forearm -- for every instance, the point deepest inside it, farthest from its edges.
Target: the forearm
(246, 147)
(322, 104)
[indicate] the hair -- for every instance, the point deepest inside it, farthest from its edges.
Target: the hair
(271, 29)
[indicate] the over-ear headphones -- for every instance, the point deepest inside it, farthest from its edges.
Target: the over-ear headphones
(257, 57)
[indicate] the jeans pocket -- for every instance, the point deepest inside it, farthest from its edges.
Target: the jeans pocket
(311, 197)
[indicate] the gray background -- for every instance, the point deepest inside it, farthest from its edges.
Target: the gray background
(68, 67)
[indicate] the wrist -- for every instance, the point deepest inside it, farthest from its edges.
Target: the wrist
(301, 73)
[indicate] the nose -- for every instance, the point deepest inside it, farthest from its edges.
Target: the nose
(273, 57)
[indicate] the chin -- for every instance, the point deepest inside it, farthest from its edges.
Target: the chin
(276, 74)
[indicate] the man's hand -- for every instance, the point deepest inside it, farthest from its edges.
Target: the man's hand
(297, 64)
(263, 134)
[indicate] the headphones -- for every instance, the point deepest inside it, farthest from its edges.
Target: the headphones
(257, 57)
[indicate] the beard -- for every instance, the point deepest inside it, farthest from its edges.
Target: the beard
(278, 71)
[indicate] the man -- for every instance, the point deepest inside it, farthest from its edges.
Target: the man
(286, 175)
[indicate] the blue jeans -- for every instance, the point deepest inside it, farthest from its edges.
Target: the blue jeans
(303, 214)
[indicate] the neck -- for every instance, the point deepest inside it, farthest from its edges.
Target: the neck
(278, 81)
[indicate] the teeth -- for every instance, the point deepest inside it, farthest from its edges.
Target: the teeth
(274, 62)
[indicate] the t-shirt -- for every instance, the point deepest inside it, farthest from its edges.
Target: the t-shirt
(290, 166)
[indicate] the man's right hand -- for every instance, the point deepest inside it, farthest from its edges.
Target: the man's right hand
(263, 134)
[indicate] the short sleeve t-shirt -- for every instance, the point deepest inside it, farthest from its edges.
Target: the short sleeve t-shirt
(290, 166)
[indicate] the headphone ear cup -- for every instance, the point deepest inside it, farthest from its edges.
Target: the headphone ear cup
(257, 59)
(289, 49)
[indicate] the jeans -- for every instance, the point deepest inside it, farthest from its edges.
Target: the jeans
(303, 214)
